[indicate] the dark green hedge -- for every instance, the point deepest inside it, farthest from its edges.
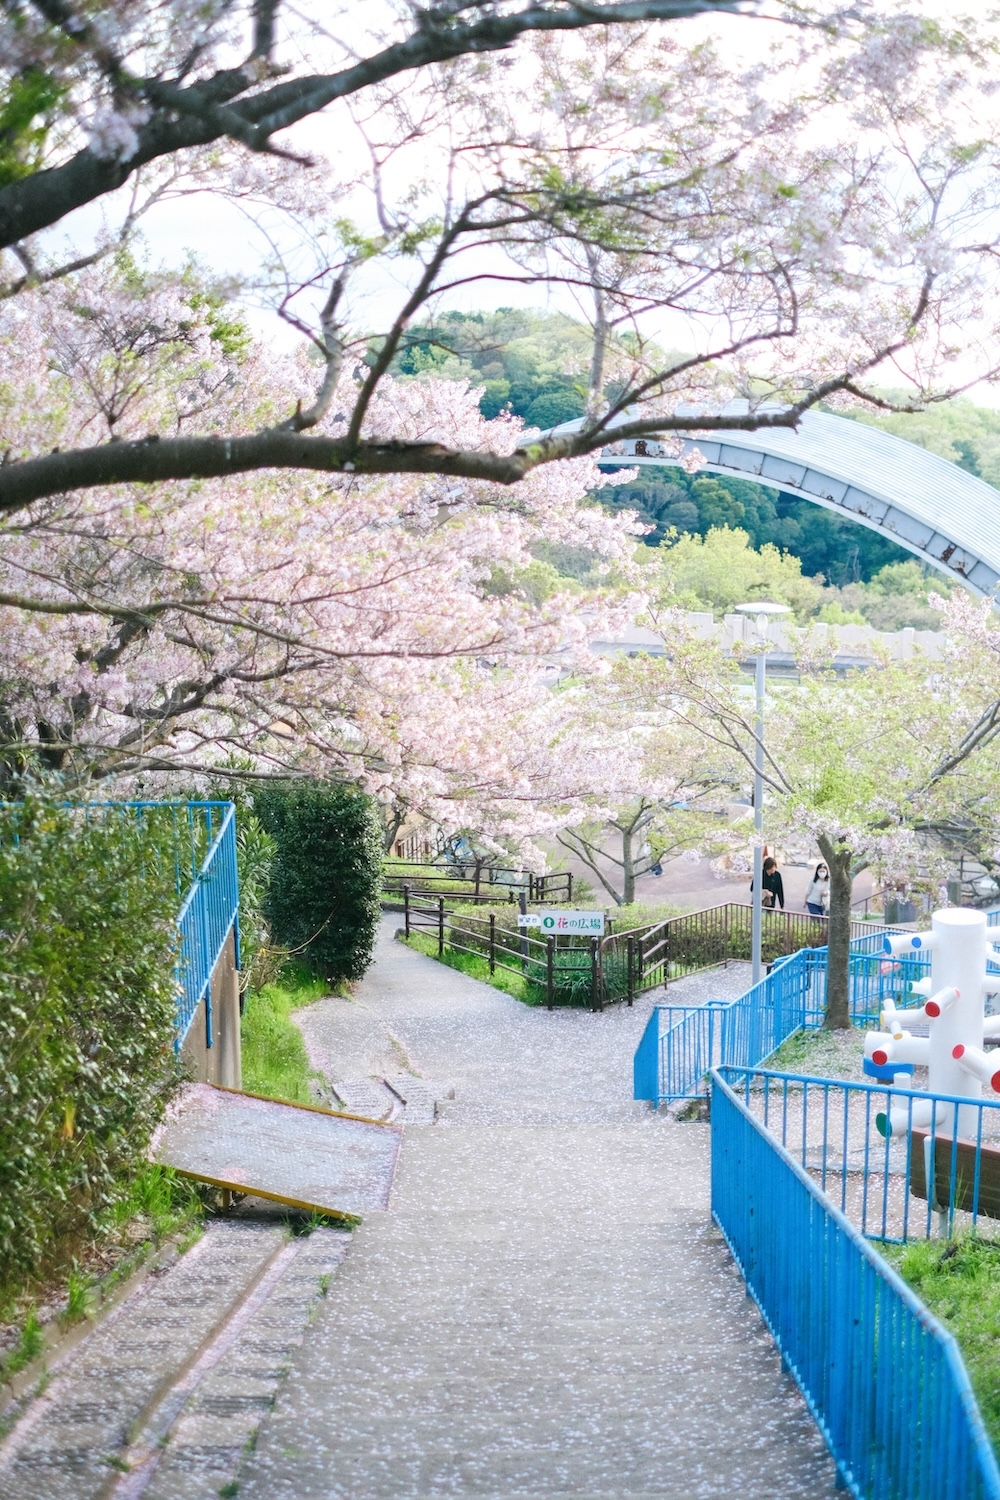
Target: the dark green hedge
(87, 1015)
(325, 880)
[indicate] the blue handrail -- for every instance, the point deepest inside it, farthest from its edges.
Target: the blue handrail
(883, 1379)
(689, 1040)
(203, 848)
(209, 912)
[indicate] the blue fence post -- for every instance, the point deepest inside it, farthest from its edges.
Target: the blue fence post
(646, 1063)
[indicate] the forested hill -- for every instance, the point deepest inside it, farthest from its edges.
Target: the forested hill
(536, 364)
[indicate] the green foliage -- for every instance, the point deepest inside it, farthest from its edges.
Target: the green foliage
(26, 109)
(275, 1062)
(643, 914)
(895, 597)
(722, 569)
(961, 1285)
(669, 499)
(27, 1348)
(323, 897)
(87, 1016)
(255, 850)
(534, 364)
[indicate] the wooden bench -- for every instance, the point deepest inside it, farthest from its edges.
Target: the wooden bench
(962, 1153)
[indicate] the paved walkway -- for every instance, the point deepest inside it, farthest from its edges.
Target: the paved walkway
(546, 1310)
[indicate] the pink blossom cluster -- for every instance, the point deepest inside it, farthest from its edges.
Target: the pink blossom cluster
(371, 627)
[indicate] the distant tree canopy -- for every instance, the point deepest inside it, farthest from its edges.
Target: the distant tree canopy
(691, 504)
(534, 364)
(717, 571)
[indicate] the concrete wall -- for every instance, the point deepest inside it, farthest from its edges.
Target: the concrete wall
(219, 1063)
(845, 642)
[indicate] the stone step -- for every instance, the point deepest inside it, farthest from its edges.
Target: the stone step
(162, 1397)
(368, 1097)
(402, 1097)
(420, 1096)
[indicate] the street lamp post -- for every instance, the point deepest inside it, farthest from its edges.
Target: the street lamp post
(763, 612)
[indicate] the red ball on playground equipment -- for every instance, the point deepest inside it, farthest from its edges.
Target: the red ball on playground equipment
(880, 1056)
(932, 1009)
(958, 1051)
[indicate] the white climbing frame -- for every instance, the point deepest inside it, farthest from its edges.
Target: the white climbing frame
(954, 1010)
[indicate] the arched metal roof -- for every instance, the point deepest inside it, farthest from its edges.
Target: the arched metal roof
(942, 514)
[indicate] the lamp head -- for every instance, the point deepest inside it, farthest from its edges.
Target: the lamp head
(764, 610)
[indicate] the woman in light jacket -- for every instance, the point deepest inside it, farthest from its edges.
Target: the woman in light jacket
(818, 894)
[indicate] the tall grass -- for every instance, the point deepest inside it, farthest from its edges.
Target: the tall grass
(960, 1283)
(275, 1061)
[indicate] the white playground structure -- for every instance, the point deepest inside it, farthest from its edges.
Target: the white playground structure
(954, 1011)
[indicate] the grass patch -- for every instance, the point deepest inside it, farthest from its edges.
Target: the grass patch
(960, 1283)
(643, 914)
(821, 1053)
(478, 968)
(159, 1202)
(275, 1061)
(158, 1205)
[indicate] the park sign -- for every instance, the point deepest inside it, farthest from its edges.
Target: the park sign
(590, 923)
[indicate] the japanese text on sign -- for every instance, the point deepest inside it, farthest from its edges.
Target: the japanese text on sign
(589, 922)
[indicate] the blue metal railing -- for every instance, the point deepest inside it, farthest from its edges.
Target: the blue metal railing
(208, 913)
(686, 1041)
(199, 839)
(890, 1187)
(882, 1378)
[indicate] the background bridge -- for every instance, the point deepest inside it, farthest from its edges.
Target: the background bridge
(939, 512)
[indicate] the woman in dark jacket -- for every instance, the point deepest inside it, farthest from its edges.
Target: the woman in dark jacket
(773, 888)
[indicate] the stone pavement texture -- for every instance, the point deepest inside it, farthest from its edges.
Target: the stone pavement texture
(162, 1398)
(545, 1311)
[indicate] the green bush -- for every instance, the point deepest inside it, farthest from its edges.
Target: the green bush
(87, 1018)
(323, 897)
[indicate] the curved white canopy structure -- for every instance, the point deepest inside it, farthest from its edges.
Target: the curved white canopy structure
(942, 514)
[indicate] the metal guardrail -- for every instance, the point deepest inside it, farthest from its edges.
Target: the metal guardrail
(209, 910)
(681, 1043)
(716, 935)
(892, 1188)
(487, 884)
(883, 1379)
(199, 840)
(562, 970)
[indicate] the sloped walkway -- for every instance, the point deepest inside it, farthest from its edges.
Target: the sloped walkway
(546, 1310)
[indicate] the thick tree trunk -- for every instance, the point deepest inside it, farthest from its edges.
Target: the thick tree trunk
(838, 1009)
(628, 870)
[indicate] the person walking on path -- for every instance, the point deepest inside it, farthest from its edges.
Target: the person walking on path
(773, 893)
(818, 894)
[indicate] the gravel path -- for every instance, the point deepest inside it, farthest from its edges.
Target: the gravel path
(545, 1311)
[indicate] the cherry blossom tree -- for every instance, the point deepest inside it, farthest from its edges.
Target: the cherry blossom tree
(675, 794)
(878, 769)
(371, 628)
(816, 221)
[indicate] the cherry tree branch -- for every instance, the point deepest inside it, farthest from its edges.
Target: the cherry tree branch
(225, 105)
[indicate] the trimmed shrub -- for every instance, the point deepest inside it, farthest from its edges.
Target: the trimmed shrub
(87, 1017)
(323, 901)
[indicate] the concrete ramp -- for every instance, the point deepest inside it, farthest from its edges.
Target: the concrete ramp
(297, 1154)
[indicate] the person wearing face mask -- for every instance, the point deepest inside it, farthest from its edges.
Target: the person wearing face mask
(818, 894)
